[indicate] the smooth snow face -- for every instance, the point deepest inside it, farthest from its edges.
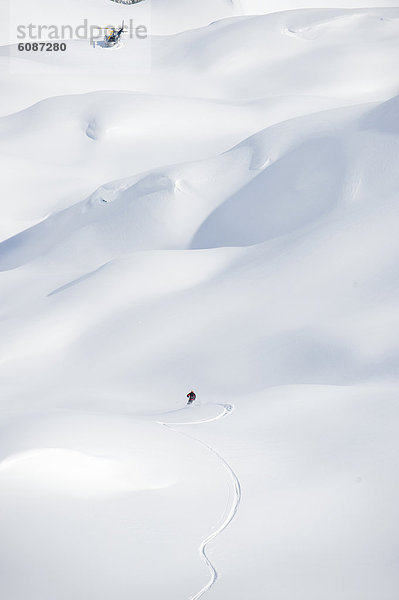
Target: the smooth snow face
(225, 221)
(71, 472)
(111, 510)
(171, 18)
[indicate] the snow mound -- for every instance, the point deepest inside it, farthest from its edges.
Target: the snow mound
(206, 205)
(71, 472)
(202, 96)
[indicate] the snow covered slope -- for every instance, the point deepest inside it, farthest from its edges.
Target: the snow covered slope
(225, 221)
(343, 55)
(202, 89)
(338, 163)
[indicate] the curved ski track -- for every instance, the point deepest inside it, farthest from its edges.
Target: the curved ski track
(236, 487)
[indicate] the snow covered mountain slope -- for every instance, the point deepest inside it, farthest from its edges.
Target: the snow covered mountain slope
(338, 162)
(347, 55)
(202, 89)
(225, 221)
(166, 18)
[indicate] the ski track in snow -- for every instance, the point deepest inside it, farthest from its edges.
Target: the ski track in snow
(230, 510)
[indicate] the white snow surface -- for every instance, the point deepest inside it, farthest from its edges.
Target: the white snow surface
(223, 219)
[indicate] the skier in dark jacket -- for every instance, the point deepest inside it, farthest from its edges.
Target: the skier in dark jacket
(191, 397)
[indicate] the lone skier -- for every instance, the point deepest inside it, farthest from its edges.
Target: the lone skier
(191, 397)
